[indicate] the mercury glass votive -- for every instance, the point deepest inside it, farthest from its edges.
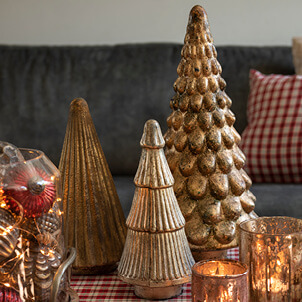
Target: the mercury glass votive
(220, 280)
(272, 249)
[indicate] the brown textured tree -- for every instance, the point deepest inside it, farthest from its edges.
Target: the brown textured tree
(93, 217)
(156, 258)
(202, 150)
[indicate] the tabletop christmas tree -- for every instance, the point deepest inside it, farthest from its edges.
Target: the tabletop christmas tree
(93, 216)
(156, 259)
(202, 150)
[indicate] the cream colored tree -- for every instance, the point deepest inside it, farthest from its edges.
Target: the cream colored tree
(156, 259)
(202, 150)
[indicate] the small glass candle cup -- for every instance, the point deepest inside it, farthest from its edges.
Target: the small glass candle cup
(220, 280)
(272, 249)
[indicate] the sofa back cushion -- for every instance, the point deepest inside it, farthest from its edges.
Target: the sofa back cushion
(124, 85)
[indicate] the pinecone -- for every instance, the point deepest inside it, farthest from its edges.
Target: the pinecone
(46, 223)
(41, 263)
(211, 186)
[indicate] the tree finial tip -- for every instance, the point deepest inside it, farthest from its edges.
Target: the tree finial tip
(197, 13)
(152, 136)
(79, 105)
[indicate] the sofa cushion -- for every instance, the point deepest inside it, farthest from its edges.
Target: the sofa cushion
(124, 85)
(272, 141)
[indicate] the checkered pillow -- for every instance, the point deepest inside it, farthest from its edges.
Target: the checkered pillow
(272, 141)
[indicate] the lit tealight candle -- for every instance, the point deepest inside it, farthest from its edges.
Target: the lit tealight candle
(219, 280)
(271, 247)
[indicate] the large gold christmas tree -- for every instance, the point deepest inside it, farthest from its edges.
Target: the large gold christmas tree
(202, 150)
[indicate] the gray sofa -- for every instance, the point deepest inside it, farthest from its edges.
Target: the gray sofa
(124, 86)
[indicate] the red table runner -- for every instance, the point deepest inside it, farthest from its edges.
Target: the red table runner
(111, 288)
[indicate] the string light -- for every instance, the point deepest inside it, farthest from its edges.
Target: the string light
(16, 264)
(2, 201)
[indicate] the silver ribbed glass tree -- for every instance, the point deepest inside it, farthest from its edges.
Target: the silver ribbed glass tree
(156, 258)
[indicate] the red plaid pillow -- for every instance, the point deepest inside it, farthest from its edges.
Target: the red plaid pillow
(272, 141)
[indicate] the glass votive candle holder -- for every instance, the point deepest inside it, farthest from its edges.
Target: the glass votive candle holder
(220, 280)
(272, 249)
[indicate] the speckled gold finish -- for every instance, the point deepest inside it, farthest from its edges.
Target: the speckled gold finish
(93, 217)
(157, 259)
(202, 150)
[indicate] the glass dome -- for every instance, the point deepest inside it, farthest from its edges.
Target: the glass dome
(31, 241)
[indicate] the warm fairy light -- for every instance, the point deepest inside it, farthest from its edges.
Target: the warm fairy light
(48, 252)
(2, 202)
(6, 230)
(14, 268)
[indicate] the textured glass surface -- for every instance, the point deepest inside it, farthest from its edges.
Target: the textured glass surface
(219, 280)
(31, 241)
(272, 248)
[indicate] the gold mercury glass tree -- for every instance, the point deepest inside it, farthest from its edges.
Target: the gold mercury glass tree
(156, 259)
(93, 217)
(202, 150)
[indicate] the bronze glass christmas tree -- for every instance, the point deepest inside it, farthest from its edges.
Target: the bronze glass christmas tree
(93, 216)
(156, 258)
(202, 150)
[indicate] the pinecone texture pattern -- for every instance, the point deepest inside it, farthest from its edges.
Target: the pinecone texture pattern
(202, 150)
(41, 264)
